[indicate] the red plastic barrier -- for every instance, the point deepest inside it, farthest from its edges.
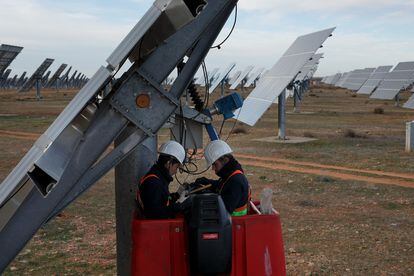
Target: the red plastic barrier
(160, 247)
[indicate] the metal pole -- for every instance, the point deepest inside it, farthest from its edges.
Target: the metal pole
(296, 107)
(397, 100)
(409, 137)
(282, 115)
(38, 83)
(127, 175)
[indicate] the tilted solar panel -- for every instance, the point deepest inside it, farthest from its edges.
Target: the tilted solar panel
(37, 74)
(280, 76)
(242, 76)
(357, 78)
(401, 77)
(221, 77)
(374, 80)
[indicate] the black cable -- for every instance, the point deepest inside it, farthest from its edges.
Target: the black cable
(218, 46)
(221, 127)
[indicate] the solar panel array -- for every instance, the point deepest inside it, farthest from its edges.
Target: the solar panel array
(357, 78)
(53, 80)
(37, 75)
(253, 77)
(374, 80)
(410, 103)
(7, 54)
(343, 79)
(309, 68)
(400, 78)
(221, 77)
(280, 76)
(242, 76)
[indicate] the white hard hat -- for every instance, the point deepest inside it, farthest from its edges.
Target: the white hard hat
(173, 149)
(216, 149)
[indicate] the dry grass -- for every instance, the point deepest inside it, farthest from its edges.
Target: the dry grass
(331, 226)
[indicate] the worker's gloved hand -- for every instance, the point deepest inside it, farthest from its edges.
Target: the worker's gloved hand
(183, 197)
(186, 203)
(202, 181)
(174, 196)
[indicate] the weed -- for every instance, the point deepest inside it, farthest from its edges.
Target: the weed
(239, 130)
(379, 110)
(350, 133)
(309, 134)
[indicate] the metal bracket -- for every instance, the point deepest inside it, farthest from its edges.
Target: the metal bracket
(144, 117)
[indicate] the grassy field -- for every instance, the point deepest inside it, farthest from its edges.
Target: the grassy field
(338, 219)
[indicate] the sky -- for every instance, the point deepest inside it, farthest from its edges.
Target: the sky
(83, 33)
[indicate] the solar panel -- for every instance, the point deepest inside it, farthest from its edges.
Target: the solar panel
(222, 76)
(4, 78)
(241, 77)
(254, 77)
(56, 75)
(234, 77)
(21, 79)
(308, 68)
(342, 80)
(280, 75)
(37, 75)
(374, 80)
(399, 78)
(336, 78)
(357, 78)
(410, 103)
(7, 54)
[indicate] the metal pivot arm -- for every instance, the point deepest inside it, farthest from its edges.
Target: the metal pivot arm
(145, 117)
(139, 100)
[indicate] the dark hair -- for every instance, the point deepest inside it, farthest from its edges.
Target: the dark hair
(164, 158)
(227, 156)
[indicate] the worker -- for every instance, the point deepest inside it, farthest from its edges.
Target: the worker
(232, 184)
(153, 197)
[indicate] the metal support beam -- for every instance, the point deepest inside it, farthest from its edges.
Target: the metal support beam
(84, 162)
(282, 115)
(127, 175)
(409, 137)
(38, 88)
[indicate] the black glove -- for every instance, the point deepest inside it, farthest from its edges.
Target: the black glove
(202, 181)
(174, 196)
(185, 205)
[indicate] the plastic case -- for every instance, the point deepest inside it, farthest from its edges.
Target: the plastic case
(160, 247)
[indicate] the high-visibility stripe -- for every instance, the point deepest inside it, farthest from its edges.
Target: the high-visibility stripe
(240, 213)
(148, 176)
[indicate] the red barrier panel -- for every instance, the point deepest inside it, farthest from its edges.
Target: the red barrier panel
(160, 247)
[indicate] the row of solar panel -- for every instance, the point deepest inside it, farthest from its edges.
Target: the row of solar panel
(8, 53)
(379, 83)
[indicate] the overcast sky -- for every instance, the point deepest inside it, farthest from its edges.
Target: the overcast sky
(83, 33)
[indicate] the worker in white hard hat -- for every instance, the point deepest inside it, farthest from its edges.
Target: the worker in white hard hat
(153, 197)
(232, 184)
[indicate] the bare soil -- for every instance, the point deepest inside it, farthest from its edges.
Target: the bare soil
(346, 203)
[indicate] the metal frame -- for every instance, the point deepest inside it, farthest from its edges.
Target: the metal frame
(68, 158)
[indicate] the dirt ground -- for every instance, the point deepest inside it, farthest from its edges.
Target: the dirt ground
(346, 200)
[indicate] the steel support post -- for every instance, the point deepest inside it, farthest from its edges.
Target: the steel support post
(296, 101)
(409, 137)
(282, 115)
(38, 87)
(127, 175)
